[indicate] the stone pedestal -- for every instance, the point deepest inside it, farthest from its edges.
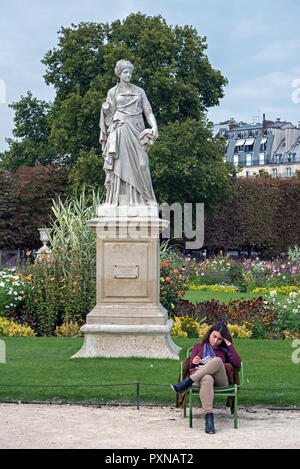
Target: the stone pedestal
(128, 319)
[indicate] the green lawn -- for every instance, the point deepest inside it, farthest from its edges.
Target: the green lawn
(196, 296)
(46, 361)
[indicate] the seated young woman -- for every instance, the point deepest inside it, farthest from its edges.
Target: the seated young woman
(208, 368)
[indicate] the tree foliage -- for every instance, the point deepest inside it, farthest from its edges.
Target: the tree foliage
(187, 165)
(30, 144)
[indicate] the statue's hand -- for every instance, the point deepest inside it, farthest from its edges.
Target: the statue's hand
(105, 107)
(155, 132)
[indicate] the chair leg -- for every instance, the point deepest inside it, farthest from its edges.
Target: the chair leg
(235, 406)
(191, 409)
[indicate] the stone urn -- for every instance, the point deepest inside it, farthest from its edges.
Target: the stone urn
(44, 239)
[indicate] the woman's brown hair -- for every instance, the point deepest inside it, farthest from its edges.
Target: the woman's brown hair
(220, 327)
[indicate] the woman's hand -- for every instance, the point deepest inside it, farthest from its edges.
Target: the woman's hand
(227, 342)
(196, 360)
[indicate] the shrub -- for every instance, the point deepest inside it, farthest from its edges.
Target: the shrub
(186, 327)
(288, 312)
(9, 328)
(239, 332)
(173, 278)
(68, 329)
(61, 286)
(202, 329)
(294, 254)
(284, 290)
(255, 314)
(52, 297)
(292, 335)
(176, 330)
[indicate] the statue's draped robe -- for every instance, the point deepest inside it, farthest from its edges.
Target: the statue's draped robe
(128, 179)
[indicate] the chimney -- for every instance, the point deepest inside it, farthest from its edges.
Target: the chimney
(266, 123)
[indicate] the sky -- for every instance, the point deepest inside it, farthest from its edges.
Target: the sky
(254, 43)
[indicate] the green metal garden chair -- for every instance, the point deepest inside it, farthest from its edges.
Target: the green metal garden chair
(228, 391)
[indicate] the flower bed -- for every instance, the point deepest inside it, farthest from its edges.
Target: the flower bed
(60, 290)
(11, 289)
(245, 274)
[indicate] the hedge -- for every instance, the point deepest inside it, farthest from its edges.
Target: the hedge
(25, 203)
(263, 217)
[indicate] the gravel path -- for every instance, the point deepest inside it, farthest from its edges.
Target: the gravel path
(42, 426)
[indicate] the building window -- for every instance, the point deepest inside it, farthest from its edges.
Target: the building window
(261, 158)
(291, 157)
(277, 158)
(235, 160)
(263, 147)
(288, 172)
(248, 160)
(274, 173)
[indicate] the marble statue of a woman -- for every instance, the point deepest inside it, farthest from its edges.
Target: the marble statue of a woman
(125, 141)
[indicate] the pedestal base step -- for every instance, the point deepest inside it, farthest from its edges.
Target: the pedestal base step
(109, 340)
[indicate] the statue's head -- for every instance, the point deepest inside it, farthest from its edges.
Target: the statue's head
(121, 65)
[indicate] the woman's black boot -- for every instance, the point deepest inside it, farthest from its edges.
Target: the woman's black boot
(209, 423)
(182, 385)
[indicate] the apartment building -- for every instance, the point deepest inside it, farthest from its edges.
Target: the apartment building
(272, 147)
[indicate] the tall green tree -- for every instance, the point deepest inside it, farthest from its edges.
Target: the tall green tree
(30, 145)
